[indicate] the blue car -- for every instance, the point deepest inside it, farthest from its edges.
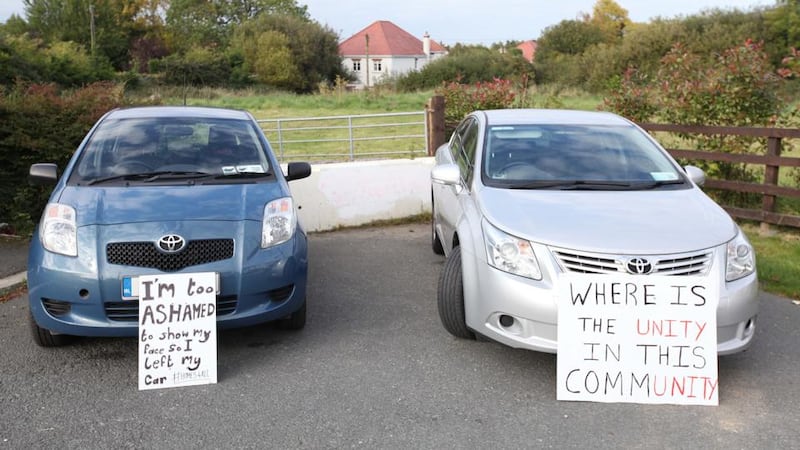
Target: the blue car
(166, 190)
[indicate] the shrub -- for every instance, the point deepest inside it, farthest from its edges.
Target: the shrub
(630, 97)
(461, 99)
(199, 66)
(739, 88)
(466, 65)
(38, 123)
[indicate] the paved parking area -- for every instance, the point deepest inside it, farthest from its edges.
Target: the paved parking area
(374, 368)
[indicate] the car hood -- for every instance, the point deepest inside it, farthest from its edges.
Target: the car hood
(629, 222)
(137, 204)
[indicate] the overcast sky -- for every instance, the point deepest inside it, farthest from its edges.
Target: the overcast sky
(474, 21)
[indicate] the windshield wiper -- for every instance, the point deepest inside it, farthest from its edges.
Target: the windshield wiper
(656, 184)
(126, 177)
(149, 177)
(175, 175)
(572, 185)
(242, 175)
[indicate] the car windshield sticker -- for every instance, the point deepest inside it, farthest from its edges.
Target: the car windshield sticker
(250, 168)
(664, 176)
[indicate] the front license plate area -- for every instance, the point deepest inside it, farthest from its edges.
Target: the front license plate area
(130, 287)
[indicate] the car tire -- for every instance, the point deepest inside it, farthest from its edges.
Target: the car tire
(45, 338)
(451, 297)
(295, 320)
(436, 243)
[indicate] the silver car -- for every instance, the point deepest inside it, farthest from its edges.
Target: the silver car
(522, 197)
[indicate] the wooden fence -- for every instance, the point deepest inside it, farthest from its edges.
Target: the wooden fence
(771, 160)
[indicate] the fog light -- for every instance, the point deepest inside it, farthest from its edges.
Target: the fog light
(506, 320)
(750, 327)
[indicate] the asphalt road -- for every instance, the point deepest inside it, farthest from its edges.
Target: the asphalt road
(375, 369)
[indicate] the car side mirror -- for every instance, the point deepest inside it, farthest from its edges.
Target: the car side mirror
(298, 170)
(43, 173)
(695, 174)
(448, 174)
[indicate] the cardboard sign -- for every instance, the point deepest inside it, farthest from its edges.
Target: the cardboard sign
(637, 339)
(177, 330)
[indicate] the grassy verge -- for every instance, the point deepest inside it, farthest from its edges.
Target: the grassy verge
(778, 260)
(286, 105)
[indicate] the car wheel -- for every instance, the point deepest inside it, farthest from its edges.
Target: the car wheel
(295, 320)
(451, 297)
(436, 244)
(44, 338)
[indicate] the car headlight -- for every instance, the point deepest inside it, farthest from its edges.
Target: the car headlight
(279, 222)
(510, 254)
(739, 257)
(59, 230)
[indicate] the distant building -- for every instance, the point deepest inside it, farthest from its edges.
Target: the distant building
(528, 50)
(384, 49)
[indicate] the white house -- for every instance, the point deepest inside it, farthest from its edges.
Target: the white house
(384, 49)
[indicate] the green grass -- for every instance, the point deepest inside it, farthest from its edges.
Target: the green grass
(330, 140)
(777, 260)
(284, 105)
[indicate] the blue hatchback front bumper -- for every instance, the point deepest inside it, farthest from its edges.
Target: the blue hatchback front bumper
(83, 296)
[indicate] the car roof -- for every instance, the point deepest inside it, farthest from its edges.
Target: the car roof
(551, 117)
(177, 111)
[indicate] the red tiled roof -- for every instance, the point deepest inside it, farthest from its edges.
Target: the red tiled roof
(528, 50)
(385, 38)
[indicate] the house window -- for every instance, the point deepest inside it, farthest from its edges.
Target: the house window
(376, 65)
(356, 65)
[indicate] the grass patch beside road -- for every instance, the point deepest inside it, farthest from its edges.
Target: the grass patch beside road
(777, 260)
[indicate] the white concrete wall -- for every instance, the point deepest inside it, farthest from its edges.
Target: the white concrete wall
(356, 193)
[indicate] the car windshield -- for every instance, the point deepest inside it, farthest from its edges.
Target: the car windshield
(170, 148)
(575, 157)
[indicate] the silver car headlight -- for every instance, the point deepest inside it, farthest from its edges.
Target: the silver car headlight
(59, 230)
(740, 259)
(510, 254)
(279, 222)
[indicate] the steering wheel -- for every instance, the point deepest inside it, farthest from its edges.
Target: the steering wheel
(503, 172)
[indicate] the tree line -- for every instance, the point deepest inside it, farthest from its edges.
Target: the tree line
(232, 43)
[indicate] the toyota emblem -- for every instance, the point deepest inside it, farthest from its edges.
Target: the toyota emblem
(639, 266)
(171, 243)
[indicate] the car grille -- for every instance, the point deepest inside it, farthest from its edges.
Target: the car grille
(146, 254)
(128, 311)
(684, 264)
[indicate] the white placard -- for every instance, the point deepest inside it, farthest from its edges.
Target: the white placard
(637, 339)
(177, 330)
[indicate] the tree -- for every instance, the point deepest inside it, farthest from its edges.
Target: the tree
(267, 56)
(611, 18)
(211, 23)
(65, 63)
(784, 23)
(559, 50)
(104, 27)
(569, 37)
(14, 26)
(313, 51)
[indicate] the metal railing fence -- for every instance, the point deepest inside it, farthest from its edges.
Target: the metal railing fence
(347, 138)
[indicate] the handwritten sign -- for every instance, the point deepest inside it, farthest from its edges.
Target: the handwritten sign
(177, 330)
(637, 339)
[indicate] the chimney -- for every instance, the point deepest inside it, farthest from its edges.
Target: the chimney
(426, 45)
